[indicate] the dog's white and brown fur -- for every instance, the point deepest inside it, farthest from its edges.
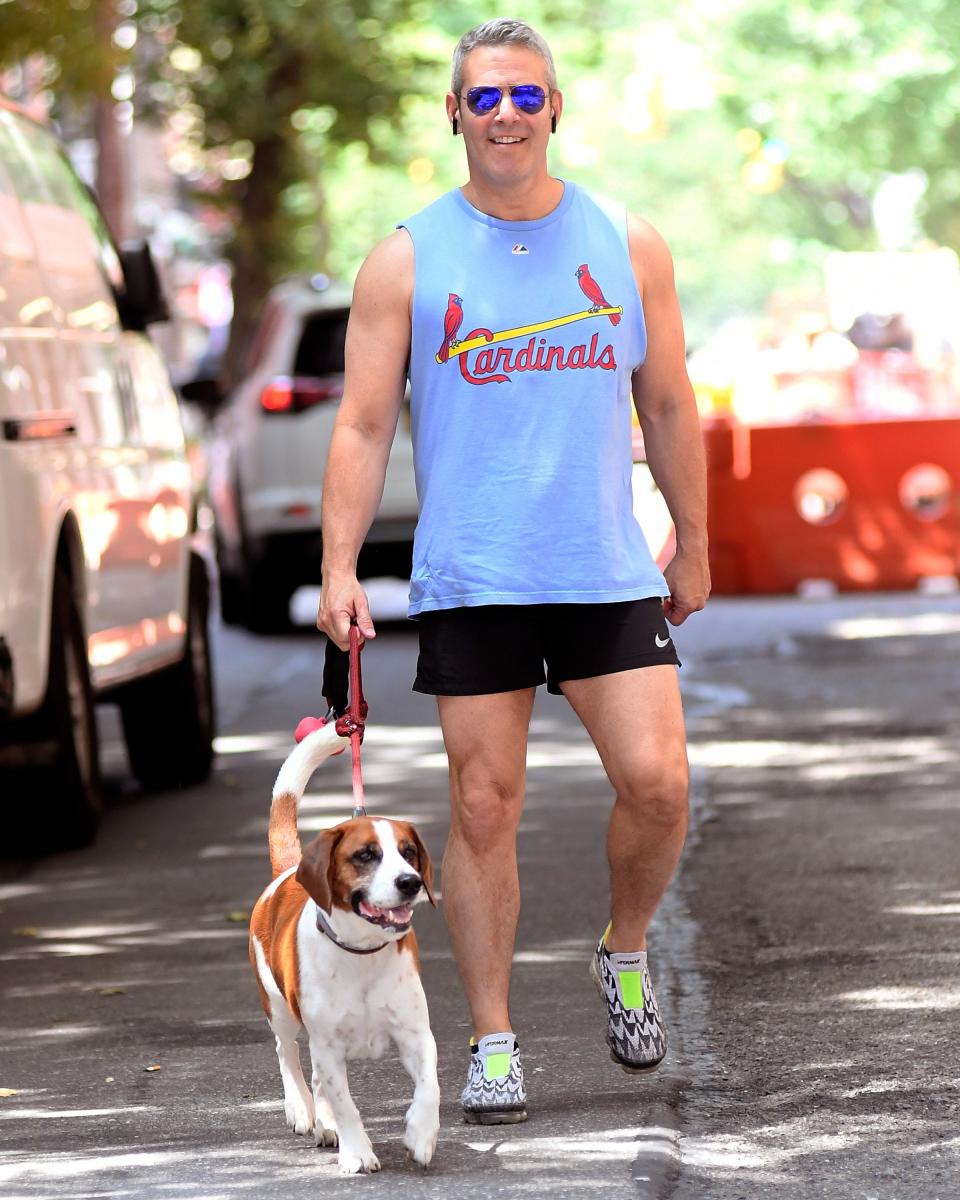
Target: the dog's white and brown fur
(365, 874)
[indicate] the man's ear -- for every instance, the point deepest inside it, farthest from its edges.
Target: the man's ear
(424, 865)
(315, 872)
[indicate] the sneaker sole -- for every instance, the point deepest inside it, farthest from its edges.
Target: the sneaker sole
(495, 1118)
(647, 1068)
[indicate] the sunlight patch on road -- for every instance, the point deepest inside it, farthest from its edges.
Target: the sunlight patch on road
(603, 1145)
(68, 1165)
(66, 949)
(923, 624)
(903, 998)
(252, 743)
(12, 891)
(724, 1153)
(852, 756)
(925, 910)
(41, 1114)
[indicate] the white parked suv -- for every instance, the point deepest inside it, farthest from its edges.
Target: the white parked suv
(102, 596)
(268, 453)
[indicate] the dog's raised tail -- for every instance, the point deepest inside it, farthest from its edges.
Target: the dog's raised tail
(283, 836)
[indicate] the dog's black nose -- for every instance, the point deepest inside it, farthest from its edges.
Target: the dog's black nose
(408, 885)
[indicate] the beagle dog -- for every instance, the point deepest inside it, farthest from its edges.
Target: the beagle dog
(334, 953)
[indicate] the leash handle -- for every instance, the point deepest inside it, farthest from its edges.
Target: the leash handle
(343, 692)
(358, 716)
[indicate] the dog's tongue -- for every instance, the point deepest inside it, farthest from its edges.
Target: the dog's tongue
(396, 916)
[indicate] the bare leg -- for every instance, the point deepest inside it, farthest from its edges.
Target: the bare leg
(486, 743)
(635, 719)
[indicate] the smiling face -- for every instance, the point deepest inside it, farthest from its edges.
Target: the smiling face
(505, 147)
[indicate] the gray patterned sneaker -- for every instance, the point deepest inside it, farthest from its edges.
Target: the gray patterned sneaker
(635, 1033)
(494, 1094)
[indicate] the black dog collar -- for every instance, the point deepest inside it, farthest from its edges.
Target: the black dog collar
(323, 924)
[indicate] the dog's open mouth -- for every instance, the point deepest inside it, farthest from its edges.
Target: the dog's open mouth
(386, 918)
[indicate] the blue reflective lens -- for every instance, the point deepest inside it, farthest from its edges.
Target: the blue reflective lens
(528, 97)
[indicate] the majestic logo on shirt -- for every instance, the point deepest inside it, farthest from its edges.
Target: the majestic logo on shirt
(519, 248)
(496, 366)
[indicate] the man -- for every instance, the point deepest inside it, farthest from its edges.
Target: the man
(527, 310)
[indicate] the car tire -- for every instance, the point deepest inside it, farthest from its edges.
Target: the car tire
(267, 601)
(68, 792)
(168, 718)
(231, 595)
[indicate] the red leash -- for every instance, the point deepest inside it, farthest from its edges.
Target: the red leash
(353, 721)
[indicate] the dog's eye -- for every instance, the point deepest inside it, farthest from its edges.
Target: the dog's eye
(365, 854)
(409, 853)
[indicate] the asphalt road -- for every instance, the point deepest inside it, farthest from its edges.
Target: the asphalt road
(806, 956)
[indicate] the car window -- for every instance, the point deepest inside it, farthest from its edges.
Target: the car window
(15, 242)
(69, 192)
(68, 227)
(15, 160)
(321, 347)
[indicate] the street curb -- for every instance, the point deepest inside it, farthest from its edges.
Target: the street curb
(659, 1163)
(657, 1167)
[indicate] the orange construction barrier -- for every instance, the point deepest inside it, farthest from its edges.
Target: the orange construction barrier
(864, 505)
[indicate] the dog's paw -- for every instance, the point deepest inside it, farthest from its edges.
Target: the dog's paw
(299, 1117)
(420, 1137)
(361, 1163)
(326, 1137)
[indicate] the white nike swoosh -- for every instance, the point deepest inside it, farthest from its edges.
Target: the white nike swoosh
(665, 642)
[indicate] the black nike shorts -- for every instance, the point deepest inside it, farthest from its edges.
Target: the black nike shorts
(503, 647)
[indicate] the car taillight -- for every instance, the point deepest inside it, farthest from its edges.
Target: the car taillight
(293, 395)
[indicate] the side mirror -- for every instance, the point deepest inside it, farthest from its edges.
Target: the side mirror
(143, 302)
(204, 393)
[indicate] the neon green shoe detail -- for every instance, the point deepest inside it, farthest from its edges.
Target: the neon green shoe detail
(496, 1066)
(631, 989)
(495, 1094)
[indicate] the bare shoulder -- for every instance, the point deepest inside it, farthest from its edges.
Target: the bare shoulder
(385, 280)
(650, 257)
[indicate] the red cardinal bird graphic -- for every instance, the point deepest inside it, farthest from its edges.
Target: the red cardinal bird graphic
(451, 323)
(591, 289)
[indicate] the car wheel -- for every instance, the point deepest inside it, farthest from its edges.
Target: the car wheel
(267, 601)
(69, 790)
(231, 594)
(168, 718)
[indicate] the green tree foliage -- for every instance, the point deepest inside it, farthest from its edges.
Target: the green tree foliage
(79, 64)
(856, 89)
(267, 76)
(754, 134)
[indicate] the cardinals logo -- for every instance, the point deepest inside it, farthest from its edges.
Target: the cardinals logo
(451, 323)
(592, 290)
(496, 366)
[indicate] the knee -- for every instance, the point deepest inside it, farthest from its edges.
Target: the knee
(486, 815)
(656, 792)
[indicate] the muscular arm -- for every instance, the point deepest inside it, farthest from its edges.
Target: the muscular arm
(667, 409)
(377, 349)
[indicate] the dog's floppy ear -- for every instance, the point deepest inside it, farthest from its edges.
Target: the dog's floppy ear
(315, 872)
(424, 865)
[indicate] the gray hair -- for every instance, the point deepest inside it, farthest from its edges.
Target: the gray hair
(502, 31)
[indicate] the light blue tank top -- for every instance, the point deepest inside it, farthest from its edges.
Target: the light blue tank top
(525, 335)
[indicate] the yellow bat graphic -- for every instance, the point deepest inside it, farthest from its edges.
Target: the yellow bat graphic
(505, 335)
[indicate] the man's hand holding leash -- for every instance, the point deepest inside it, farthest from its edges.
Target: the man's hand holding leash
(342, 600)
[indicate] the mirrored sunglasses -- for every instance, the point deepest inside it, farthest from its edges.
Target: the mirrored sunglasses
(528, 97)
